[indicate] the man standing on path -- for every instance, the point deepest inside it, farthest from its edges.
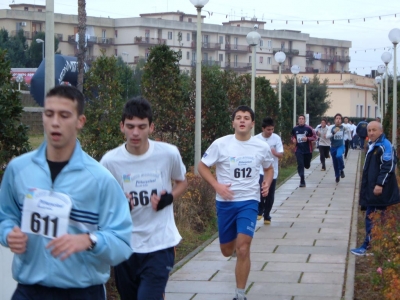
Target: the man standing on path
(324, 144)
(303, 136)
(238, 158)
(379, 187)
(62, 214)
(336, 133)
(275, 143)
(153, 175)
(361, 131)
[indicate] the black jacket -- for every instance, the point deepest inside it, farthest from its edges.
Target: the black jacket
(379, 168)
(361, 129)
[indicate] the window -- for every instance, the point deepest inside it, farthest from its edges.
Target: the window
(221, 57)
(269, 60)
(261, 43)
(238, 25)
(187, 55)
(116, 52)
(235, 43)
(190, 20)
(250, 59)
(361, 111)
(261, 59)
(221, 39)
(103, 36)
(269, 44)
(180, 18)
(357, 111)
(282, 45)
(376, 111)
(188, 37)
(170, 35)
(116, 33)
(369, 111)
(235, 60)
(39, 10)
(26, 8)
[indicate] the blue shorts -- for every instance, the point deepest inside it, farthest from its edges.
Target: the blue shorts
(236, 217)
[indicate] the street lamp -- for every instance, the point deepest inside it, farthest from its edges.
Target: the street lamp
(40, 41)
(127, 57)
(386, 58)
(378, 81)
(197, 131)
(253, 38)
(295, 69)
(280, 59)
(394, 37)
(305, 80)
(381, 69)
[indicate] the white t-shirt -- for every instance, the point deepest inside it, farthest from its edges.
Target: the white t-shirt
(140, 175)
(347, 133)
(238, 163)
(274, 141)
(323, 141)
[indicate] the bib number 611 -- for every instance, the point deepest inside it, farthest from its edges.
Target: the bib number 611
(44, 225)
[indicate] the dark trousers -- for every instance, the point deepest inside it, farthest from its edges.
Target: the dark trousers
(346, 147)
(368, 223)
(355, 141)
(362, 142)
(303, 161)
(40, 292)
(337, 159)
(266, 203)
(323, 154)
(144, 275)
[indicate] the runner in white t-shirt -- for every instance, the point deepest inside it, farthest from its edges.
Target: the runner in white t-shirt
(274, 141)
(238, 158)
(152, 174)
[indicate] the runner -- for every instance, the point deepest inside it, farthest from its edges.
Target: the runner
(324, 144)
(275, 143)
(237, 158)
(303, 136)
(152, 174)
(61, 213)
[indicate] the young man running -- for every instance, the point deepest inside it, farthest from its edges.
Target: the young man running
(337, 133)
(324, 143)
(238, 158)
(152, 174)
(61, 213)
(303, 136)
(347, 136)
(275, 143)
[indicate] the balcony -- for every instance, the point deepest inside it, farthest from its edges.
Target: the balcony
(310, 55)
(136, 59)
(207, 46)
(285, 68)
(238, 66)
(59, 36)
(229, 48)
(27, 34)
(90, 41)
(105, 41)
(288, 52)
(328, 58)
(208, 63)
(344, 59)
(146, 41)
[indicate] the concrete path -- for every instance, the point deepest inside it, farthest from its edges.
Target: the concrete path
(7, 283)
(302, 255)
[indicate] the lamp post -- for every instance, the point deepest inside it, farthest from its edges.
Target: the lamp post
(253, 38)
(280, 58)
(381, 70)
(378, 81)
(40, 41)
(295, 69)
(197, 131)
(127, 58)
(394, 37)
(305, 80)
(386, 58)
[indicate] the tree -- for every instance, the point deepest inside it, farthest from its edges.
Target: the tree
(13, 134)
(81, 42)
(103, 107)
(16, 47)
(35, 53)
(126, 79)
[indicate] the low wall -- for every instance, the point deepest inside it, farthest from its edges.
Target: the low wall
(32, 117)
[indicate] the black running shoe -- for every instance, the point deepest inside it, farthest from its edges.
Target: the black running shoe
(337, 179)
(342, 174)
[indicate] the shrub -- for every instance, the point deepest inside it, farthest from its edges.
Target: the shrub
(289, 158)
(386, 250)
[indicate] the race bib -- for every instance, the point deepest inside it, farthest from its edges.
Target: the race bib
(242, 167)
(338, 135)
(299, 138)
(142, 186)
(46, 213)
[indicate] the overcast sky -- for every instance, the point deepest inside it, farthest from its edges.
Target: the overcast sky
(339, 19)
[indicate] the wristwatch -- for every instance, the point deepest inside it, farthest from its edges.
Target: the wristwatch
(93, 240)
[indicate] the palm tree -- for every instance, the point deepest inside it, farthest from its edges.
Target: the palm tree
(81, 41)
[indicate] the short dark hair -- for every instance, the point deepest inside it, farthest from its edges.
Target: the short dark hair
(267, 122)
(346, 118)
(338, 115)
(137, 107)
(301, 115)
(324, 119)
(71, 93)
(243, 108)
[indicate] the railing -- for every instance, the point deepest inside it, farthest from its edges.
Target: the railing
(90, 41)
(344, 58)
(207, 63)
(309, 70)
(237, 48)
(59, 36)
(207, 46)
(146, 41)
(328, 57)
(27, 34)
(136, 59)
(105, 41)
(288, 52)
(310, 54)
(238, 66)
(284, 69)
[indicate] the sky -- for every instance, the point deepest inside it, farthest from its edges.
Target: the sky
(366, 23)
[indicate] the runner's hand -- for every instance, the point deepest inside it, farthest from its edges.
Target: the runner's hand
(264, 189)
(68, 244)
(224, 191)
(130, 201)
(155, 199)
(16, 240)
(378, 190)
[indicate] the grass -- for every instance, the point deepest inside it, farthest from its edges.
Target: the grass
(36, 140)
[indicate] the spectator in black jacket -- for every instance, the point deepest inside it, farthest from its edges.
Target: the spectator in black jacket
(362, 133)
(379, 185)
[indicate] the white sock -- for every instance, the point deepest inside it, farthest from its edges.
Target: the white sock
(240, 294)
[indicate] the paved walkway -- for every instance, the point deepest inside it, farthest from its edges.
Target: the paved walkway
(302, 255)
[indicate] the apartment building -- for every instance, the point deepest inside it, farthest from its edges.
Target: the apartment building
(222, 45)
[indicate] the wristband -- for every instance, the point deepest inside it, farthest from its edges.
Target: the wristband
(165, 200)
